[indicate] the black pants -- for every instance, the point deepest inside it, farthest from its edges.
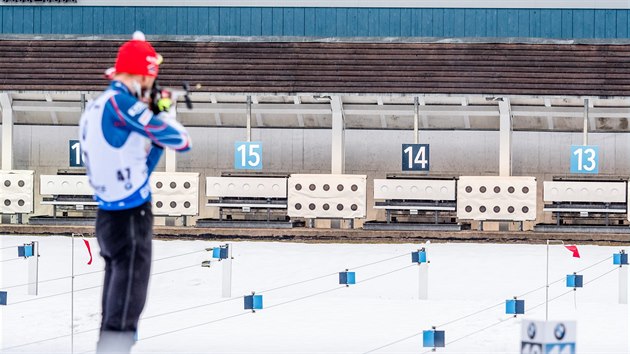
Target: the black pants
(125, 240)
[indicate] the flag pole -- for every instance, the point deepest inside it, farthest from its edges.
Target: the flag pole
(547, 287)
(547, 280)
(72, 300)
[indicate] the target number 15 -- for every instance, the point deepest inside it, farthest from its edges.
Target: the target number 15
(248, 155)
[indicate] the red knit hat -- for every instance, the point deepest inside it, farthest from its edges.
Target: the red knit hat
(138, 57)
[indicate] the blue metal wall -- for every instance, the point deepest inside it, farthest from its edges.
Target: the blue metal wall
(338, 22)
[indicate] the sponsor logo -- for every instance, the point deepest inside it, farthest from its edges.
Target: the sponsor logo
(531, 348)
(145, 118)
(144, 192)
(136, 108)
(531, 331)
(157, 60)
(560, 331)
(153, 62)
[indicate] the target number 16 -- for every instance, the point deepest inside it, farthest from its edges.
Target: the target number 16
(415, 157)
(76, 158)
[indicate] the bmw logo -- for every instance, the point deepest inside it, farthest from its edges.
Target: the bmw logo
(531, 330)
(559, 331)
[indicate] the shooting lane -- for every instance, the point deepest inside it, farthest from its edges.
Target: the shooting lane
(267, 106)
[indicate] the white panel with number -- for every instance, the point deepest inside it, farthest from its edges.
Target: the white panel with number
(496, 198)
(64, 185)
(414, 189)
(175, 193)
(327, 196)
(16, 192)
(584, 191)
(246, 187)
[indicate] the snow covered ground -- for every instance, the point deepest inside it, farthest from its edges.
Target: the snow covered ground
(379, 310)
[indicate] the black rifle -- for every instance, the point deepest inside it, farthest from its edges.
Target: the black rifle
(158, 92)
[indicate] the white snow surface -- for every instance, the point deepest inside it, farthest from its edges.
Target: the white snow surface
(464, 278)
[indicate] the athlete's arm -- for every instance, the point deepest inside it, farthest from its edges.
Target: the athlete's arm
(162, 129)
(154, 157)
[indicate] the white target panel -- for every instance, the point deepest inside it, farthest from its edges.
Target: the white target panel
(246, 187)
(65, 185)
(175, 193)
(584, 191)
(496, 198)
(16, 192)
(327, 196)
(414, 189)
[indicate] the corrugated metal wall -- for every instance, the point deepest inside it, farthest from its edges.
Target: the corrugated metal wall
(337, 22)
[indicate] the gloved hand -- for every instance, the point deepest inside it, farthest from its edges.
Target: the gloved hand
(164, 104)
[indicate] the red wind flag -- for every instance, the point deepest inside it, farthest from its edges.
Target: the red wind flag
(574, 250)
(87, 244)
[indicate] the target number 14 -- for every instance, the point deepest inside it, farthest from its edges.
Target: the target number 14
(415, 157)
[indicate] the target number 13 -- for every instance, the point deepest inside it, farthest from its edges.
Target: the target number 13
(584, 159)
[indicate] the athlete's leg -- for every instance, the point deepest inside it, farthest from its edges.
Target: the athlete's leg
(128, 245)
